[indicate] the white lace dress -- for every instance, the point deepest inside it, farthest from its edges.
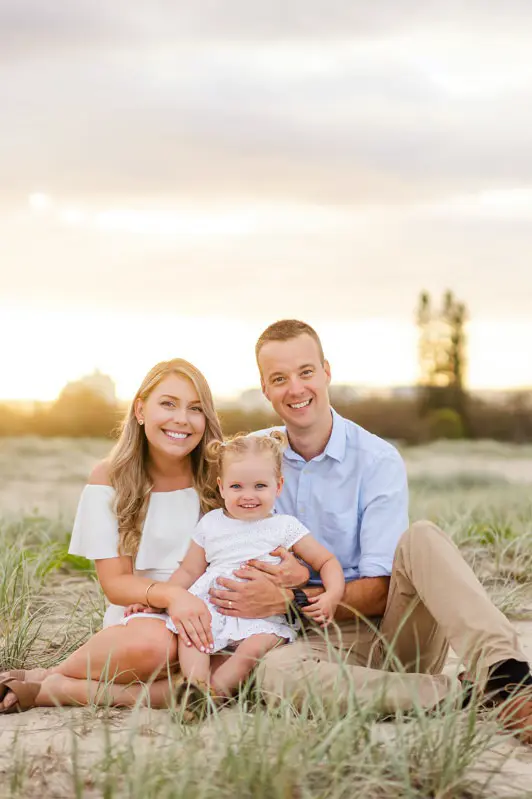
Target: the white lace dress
(228, 543)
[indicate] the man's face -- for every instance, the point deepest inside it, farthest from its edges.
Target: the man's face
(295, 381)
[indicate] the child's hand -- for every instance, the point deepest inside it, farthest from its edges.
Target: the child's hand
(138, 607)
(321, 608)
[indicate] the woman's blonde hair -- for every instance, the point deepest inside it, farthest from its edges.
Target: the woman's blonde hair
(128, 468)
(238, 446)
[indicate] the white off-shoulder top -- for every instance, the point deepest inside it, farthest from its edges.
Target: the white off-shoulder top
(166, 534)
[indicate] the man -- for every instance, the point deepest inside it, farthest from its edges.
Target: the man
(409, 593)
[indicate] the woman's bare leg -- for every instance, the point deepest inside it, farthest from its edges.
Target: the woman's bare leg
(234, 671)
(59, 690)
(138, 650)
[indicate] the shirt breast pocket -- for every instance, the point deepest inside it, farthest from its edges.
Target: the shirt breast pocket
(339, 532)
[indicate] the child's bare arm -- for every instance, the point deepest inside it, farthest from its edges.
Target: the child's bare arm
(193, 566)
(322, 607)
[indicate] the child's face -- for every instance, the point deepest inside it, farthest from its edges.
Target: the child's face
(249, 486)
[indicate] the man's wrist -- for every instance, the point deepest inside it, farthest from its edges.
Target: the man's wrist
(300, 599)
(295, 605)
(288, 598)
(314, 590)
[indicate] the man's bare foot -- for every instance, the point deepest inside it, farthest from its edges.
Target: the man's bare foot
(515, 714)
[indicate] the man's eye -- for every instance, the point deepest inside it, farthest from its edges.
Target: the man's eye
(278, 380)
(307, 372)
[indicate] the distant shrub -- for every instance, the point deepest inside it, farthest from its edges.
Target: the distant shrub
(456, 481)
(444, 423)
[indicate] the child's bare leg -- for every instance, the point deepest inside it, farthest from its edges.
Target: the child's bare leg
(230, 674)
(194, 664)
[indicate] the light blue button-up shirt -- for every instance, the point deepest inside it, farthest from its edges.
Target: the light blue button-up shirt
(353, 498)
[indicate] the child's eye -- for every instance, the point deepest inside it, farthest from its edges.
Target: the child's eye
(261, 485)
(235, 485)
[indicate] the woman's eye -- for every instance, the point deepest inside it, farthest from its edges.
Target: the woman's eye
(197, 408)
(168, 403)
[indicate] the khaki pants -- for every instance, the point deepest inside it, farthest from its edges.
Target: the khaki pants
(434, 601)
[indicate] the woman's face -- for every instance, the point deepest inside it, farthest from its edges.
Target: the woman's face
(173, 416)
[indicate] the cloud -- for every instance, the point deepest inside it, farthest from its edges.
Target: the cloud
(48, 25)
(345, 123)
(372, 128)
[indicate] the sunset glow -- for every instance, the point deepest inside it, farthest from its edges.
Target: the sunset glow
(172, 183)
(52, 348)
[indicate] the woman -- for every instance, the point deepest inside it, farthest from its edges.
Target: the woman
(135, 520)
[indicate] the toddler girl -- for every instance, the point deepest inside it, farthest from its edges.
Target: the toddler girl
(249, 480)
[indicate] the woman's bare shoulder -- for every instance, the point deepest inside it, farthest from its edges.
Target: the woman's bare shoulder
(100, 475)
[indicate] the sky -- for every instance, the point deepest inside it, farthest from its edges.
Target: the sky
(174, 176)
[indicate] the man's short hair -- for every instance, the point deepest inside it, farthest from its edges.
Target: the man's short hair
(284, 330)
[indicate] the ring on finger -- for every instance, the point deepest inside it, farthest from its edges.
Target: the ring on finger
(230, 604)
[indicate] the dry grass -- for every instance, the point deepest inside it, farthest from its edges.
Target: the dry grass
(49, 603)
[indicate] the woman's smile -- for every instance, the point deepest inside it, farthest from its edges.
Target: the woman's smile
(176, 435)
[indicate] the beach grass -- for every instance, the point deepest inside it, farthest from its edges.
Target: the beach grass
(51, 602)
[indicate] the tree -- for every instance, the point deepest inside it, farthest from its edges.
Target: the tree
(442, 355)
(81, 411)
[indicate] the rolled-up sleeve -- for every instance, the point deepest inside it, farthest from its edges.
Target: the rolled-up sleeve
(384, 503)
(95, 532)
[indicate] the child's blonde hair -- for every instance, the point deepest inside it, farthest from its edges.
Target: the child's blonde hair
(218, 451)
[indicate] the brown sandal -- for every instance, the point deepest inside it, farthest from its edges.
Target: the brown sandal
(25, 693)
(13, 674)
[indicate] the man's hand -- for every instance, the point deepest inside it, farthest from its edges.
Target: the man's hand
(255, 598)
(289, 573)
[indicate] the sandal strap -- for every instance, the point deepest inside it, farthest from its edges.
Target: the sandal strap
(13, 674)
(25, 692)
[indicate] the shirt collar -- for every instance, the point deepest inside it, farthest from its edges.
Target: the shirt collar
(336, 444)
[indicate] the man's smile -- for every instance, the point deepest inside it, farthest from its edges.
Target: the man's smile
(296, 406)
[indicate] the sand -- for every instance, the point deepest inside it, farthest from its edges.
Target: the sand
(49, 736)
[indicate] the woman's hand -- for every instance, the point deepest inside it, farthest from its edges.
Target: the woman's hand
(192, 620)
(289, 573)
